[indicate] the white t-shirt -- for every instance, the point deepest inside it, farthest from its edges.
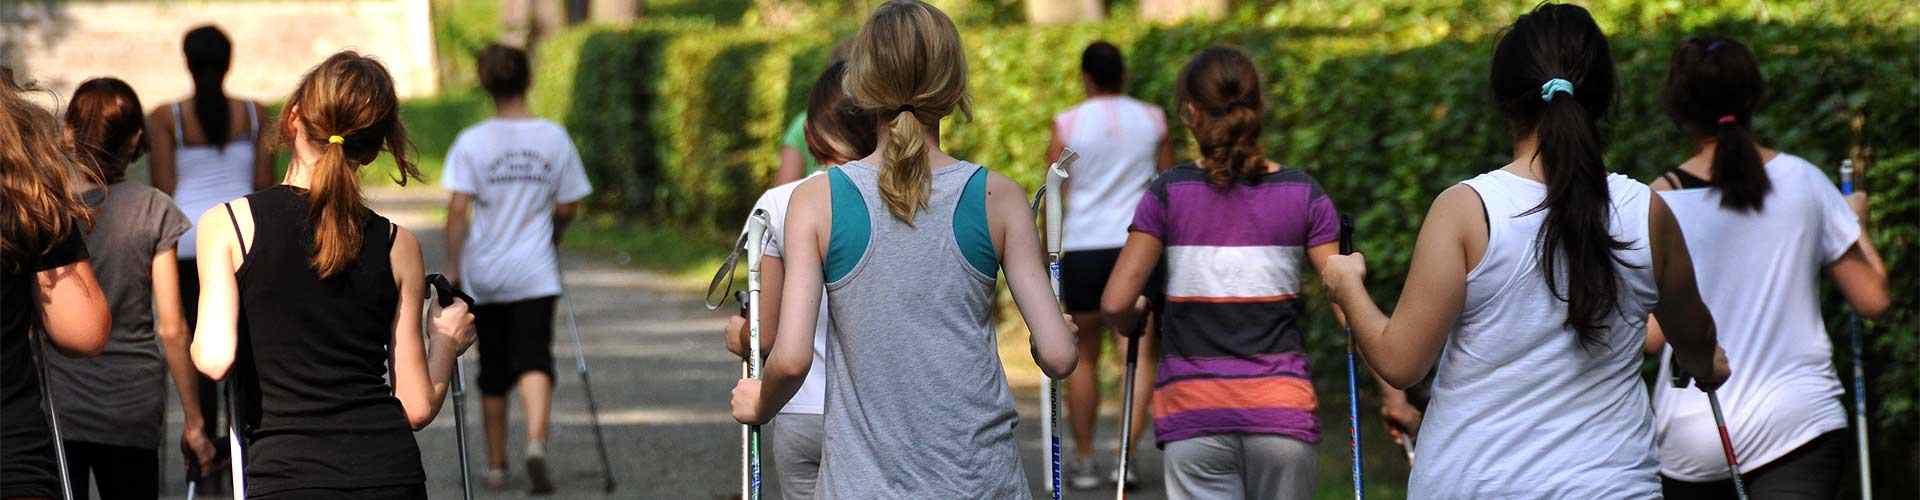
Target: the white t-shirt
(812, 398)
(1521, 408)
(517, 170)
(1759, 272)
(1118, 139)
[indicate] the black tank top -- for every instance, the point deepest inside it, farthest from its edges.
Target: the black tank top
(313, 358)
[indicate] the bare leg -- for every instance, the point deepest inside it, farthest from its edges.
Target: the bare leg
(1083, 386)
(536, 398)
(493, 410)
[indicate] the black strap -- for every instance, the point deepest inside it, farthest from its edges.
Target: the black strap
(393, 231)
(236, 229)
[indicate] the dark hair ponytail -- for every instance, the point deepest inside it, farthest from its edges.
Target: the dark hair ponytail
(1713, 88)
(1219, 97)
(209, 54)
(106, 127)
(1553, 78)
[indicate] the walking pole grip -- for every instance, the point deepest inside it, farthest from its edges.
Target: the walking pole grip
(1346, 234)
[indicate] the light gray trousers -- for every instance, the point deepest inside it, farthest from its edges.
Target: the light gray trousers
(1229, 466)
(796, 453)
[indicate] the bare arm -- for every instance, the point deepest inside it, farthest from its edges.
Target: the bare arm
(1403, 348)
(772, 272)
(215, 334)
(1860, 273)
(563, 215)
(1011, 221)
(1163, 160)
(73, 310)
(160, 142)
(1055, 145)
(170, 325)
(422, 374)
(808, 223)
(1686, 324)
(459, 218)
(792, 162)
(1119, 301)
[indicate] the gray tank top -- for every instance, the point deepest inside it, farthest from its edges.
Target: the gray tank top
(917, 402)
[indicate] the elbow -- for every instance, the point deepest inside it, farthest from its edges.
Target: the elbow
(1873, 307)
(1112, 309)
(170, 332)
(211, 365)
(85, 339)
(788, 367)
(1060, 365)
(418, 419)
(1401, 379)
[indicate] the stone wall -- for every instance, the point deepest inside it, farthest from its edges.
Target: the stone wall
(60, 43)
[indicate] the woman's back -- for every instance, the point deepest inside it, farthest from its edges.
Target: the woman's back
(314, 356)
(208, 174)
(1760, 276)
(918, 402)
(1117, 138)
(1521, 407)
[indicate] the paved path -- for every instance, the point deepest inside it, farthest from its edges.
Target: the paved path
(661, 379)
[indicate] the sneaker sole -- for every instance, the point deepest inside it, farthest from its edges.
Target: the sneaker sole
(537, 474)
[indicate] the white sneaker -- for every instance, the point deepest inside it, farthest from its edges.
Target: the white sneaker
(1084, 474)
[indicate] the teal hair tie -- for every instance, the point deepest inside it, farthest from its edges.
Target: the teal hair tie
(1555, 85)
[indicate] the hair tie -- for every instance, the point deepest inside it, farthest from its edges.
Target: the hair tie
(1555, 86)
(904, 108)
(1712, 46)
(1728, 120)
(334, 139)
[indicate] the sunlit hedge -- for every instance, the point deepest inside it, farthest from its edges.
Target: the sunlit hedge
(679, 122)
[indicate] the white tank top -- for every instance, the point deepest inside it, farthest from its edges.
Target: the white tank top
(208, 175)
(1520, 408)
(1117, 138)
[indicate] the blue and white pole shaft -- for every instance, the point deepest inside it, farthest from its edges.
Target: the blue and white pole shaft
(750, 434)
(1859, 369)
(1353, 381)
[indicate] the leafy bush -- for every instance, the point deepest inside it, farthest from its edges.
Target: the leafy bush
(1383, 102)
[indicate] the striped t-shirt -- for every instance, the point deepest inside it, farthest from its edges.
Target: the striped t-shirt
(1233, 354)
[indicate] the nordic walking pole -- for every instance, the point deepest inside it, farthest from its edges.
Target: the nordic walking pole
(1680, 380)
(750, 434)
(586, 380)
(53, 418)
(1859, 369)
(234, 451)
(1126, 411)
(1050, 395)
(1406, 443)
(1353, 383)
(446, 292)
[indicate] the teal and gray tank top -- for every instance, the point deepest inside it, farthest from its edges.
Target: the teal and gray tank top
(917, 402)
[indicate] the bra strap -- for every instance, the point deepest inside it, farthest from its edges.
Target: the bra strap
(253, 120)
(236, 228)
(179, 137)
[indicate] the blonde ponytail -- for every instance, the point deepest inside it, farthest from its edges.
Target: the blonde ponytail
(334, 209)
(347, 109)
(907, 176)
(907, 64)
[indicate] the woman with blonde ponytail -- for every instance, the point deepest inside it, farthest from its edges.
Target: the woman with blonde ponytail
(305, 292)
(908, 243)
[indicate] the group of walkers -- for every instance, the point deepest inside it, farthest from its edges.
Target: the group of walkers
(1534, 291)
(305, 303)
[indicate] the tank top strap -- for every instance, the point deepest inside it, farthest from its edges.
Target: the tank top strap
(236, 229)
(179, 137)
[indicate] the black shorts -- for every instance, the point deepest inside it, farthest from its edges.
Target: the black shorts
(515, 338)
(1083, 277)
(1812, 471)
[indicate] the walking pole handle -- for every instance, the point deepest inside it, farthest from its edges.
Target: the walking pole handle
(1846, 176)
(1346, 234)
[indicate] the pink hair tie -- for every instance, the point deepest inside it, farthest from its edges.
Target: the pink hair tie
(1728, 120)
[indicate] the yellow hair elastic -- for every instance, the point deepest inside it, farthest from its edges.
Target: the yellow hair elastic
(334, 139)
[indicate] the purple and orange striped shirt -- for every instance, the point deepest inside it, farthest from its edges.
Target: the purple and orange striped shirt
(1233, 351)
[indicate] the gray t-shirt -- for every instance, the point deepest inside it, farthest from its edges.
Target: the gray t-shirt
(119, 397)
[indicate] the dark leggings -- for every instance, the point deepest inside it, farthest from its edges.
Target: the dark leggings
(121, 471)
(1811, 471)
(406, 492)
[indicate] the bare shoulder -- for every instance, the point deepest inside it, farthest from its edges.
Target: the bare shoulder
(1458, 202)
(1001, 190)
(405, 254)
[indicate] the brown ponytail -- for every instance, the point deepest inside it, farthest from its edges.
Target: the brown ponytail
(908, 69)
(1713, 88)
(1220, 100)
(347, 109)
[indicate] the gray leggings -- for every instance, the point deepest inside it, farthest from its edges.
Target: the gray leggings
(796, 453)
(1240, 466)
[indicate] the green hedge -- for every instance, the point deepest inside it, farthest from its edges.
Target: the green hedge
(1386, 106)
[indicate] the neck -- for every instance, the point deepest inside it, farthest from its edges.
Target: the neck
(1094, 92)
(299, 172)
(511, 107)
(1526, 158)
